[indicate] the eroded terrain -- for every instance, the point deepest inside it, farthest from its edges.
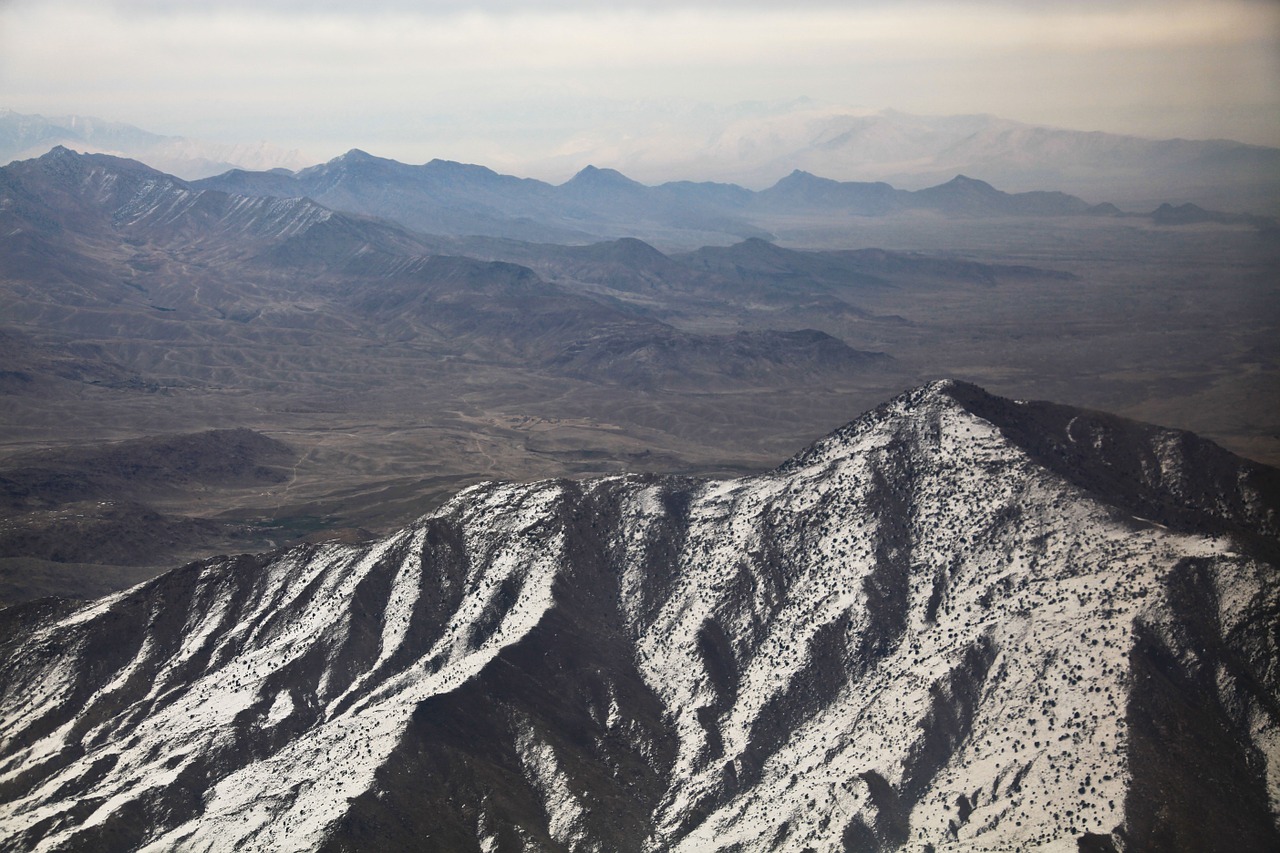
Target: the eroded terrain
(396, 367)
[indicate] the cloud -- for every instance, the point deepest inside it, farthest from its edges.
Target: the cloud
(162, 61)
(147, 35)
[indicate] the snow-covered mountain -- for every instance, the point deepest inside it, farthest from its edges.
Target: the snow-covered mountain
(958, 623)
(25, 136)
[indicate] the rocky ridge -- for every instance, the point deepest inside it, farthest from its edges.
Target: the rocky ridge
(958, 623)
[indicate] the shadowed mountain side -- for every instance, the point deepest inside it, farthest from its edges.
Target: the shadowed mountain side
(112, 533)
(129, 507)
(144, 467)
(1172, 477)
(32, 369)
(673, 359)
(502, 305)
(483, 307)
(776, 272)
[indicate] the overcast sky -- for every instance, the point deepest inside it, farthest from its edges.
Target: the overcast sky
(497, 80)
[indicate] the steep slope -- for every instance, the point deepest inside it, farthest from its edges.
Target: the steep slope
(917, 632)
(97, 195)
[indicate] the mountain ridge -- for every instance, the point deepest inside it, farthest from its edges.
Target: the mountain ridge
(461, 200)
(755, 144)
(911, 633)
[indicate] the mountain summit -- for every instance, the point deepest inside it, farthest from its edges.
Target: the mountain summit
(959, 622)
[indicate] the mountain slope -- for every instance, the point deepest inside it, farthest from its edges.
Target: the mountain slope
(917, 632)
(125, 239)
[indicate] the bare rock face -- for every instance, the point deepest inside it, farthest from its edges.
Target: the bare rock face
(958, 623)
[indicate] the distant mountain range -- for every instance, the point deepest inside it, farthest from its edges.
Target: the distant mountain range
(958, 623)
(100, 232)
(448, 198)
(26, 136)
(756, 145)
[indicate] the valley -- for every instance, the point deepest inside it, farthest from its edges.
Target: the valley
(397, 366)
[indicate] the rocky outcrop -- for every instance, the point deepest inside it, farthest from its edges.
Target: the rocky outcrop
(947, 626)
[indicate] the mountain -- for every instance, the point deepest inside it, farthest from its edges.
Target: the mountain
(101, 195)
(603, 204)
(801, 191)
(110, 505)
(958, 623)
(136, 305)
(106, 236)
(965, 195)
(444, 197)
(771, 273)
(26, 136)
(144, 466)
(755, 144)
(639, 358)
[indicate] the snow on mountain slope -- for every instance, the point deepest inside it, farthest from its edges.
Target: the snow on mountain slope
(138, 197)
(70, 198)
(942, 627)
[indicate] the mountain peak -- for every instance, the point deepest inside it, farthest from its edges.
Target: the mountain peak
(63, 160)
(593, 176)
(801, 178)
(628, 250)
(967, 183)
(644, 662)
(354, 159)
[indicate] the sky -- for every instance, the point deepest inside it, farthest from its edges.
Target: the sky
(496, 81)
